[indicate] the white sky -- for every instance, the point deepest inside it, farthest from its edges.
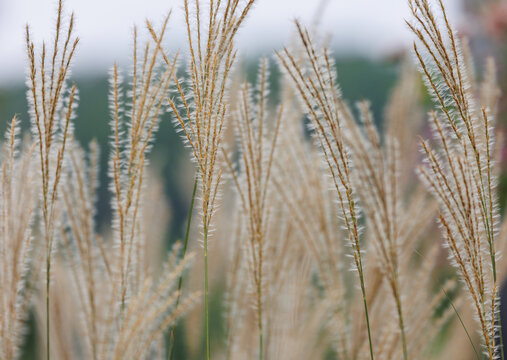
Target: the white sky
(367, 27)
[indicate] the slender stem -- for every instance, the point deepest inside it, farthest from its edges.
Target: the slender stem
(453, 307)
(359, 264)
(48, 279)
(206, 286)
(402, 328)
(462, 323)
(259, 305)
(261, 347)
(363, 290)
(399, 308)
(180, 281)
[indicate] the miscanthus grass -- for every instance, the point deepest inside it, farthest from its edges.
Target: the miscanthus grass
(51, 101)
(316, 225)
(459, 172)
(200, 108)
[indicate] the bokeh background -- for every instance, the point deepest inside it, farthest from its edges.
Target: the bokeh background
(369, 38)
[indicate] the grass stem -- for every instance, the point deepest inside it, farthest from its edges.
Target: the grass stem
(402, 327)
(206, 287)
(180, 280)
(48, 279)
(261, 346)
(363, 290)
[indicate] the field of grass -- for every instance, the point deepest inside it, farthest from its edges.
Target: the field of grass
(297, 206)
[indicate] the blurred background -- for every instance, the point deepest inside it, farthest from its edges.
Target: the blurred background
(369, 38)
(366, 28)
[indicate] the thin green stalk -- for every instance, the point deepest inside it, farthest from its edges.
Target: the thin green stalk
(461, 322)
(259, 307)
(402, 328)
(490, 240)
(489, 226)
(453, 307)
(261, 347)
(206, 286)
(180, 281)
(359, 263)
(363, 290)
(48, 279)
(399, 309)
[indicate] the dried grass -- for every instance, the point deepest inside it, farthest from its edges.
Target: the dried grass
(301, 206)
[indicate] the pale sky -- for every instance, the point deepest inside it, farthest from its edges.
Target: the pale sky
(365, 27)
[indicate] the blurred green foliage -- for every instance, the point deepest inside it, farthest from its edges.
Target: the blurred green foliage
(359, 79)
